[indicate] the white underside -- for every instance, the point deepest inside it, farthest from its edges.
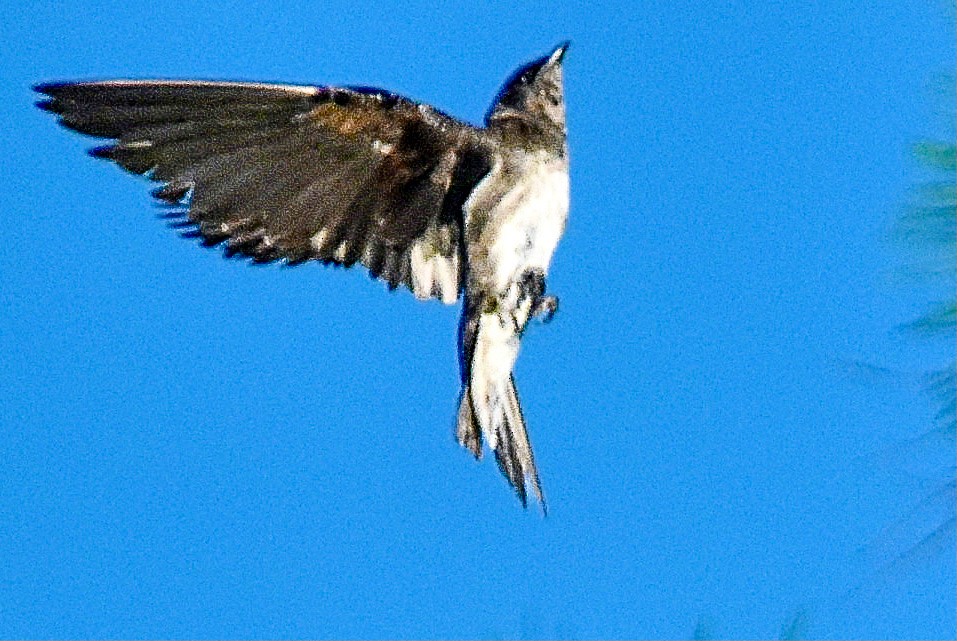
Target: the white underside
(527, 223)
(519, 233)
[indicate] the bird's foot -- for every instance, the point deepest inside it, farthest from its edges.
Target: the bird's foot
(533, 287)
(544, 308)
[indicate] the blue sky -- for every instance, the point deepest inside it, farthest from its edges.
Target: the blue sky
(724, 416)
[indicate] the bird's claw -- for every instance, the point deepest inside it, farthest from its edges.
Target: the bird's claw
(545, 307)
(533, 287)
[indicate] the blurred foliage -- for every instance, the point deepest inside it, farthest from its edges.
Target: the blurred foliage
(796, 628)
(792, 629)
(929, 225)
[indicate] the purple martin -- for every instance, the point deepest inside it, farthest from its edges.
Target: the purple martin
(347, 175)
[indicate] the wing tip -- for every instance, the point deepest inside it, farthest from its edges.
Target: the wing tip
(47, 88)
(106, 152)
(57, 89)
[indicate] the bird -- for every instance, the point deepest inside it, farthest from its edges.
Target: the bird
(358, 175)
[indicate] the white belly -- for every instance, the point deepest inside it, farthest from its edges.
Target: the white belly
(526, 224)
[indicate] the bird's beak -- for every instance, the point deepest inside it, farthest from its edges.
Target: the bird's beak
(559, 53)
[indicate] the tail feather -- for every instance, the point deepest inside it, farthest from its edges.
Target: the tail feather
(521, 446)
(469, 434)
(506, 435)
(489, 409)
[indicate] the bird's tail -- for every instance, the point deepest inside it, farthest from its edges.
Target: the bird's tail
(489, 407)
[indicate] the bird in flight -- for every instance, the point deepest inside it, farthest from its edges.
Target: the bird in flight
(348, 175)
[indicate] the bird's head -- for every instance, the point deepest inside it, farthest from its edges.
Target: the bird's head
(534, 90)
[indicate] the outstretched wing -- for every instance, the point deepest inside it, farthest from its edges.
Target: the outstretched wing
(295, 173)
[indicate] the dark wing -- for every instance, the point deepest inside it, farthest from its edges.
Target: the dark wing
(295, 173)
